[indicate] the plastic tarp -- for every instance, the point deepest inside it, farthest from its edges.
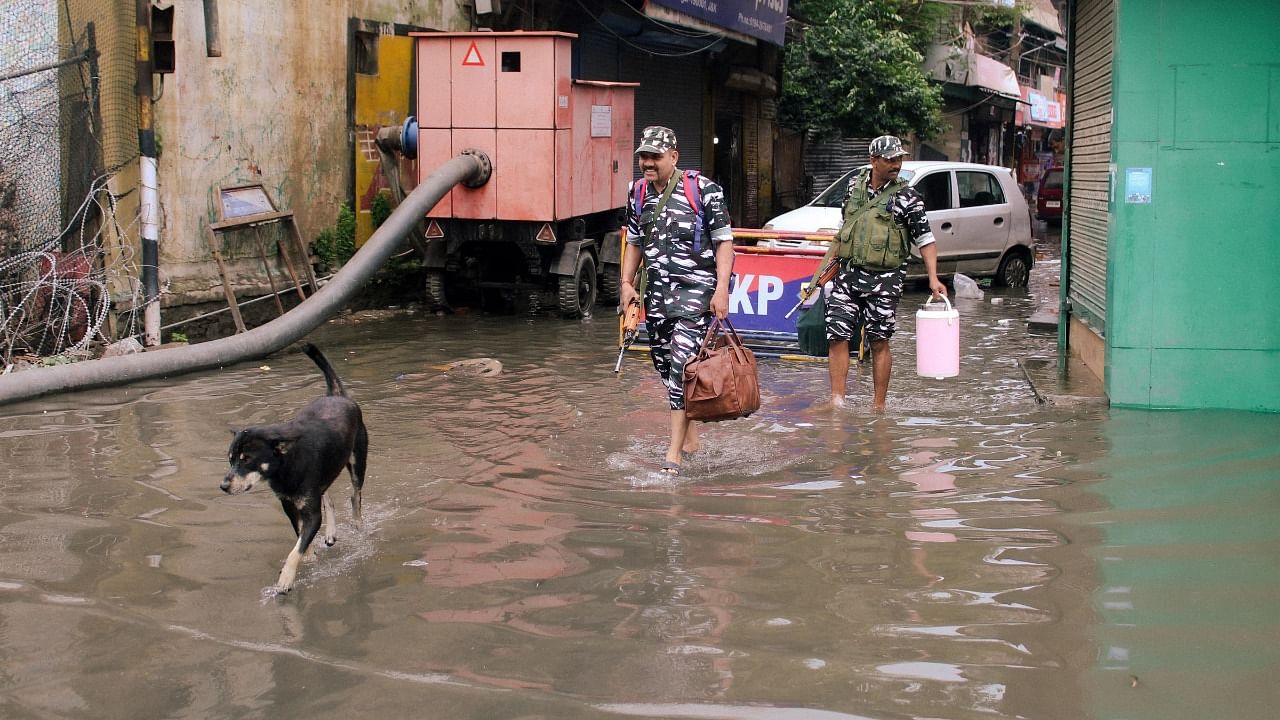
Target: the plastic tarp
(1042, 13)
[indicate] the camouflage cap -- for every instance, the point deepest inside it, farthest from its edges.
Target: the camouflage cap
(657, 139)
(886, 146)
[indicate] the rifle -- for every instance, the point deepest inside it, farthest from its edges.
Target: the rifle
(827, 275)
(630, 329)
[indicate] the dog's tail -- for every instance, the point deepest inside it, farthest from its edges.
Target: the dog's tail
(330, 376)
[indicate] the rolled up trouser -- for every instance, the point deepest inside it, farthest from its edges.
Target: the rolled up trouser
(848, 308)
(672, 342)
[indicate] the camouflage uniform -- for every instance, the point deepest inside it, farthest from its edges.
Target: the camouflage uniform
(868, 298)
(680, 280)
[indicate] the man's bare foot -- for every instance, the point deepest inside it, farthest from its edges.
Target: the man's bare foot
(692, 443)
(837, 401)
(878, 408)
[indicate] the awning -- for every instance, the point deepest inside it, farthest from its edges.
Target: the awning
(1042, 13)
(993, 75)
(965, 67)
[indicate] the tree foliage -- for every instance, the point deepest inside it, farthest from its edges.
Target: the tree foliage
(858, 69)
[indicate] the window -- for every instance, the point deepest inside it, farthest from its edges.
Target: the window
(510, 61)
(837, 191)
(936, 189)
(1053, 179)
(835, 194)
(978, 189)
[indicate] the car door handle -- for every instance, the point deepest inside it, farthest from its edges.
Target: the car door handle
(946, 227)
(999, 221)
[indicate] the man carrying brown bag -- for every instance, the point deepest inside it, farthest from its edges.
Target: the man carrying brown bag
(678, 226)
(720, 382)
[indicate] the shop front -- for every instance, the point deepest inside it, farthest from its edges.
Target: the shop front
(1041, 119)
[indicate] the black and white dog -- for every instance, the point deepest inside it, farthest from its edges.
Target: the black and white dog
(300, 459)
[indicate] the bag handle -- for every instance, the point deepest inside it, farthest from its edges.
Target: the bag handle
(735, 342)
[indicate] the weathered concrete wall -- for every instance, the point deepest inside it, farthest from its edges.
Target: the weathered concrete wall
(273, 109)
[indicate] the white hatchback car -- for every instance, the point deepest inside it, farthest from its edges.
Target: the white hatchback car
(978, 215)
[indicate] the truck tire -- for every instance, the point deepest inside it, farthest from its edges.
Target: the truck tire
(436, 300)
(610, 284)
(577, 292)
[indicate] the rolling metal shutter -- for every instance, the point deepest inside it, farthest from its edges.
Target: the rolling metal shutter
(1089, 165)
(827, 159)
(671, 93)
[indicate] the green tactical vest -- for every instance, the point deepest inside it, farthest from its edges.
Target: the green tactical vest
(869, 237)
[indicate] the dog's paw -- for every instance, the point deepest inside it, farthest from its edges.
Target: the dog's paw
(330, 540)
(275, 591)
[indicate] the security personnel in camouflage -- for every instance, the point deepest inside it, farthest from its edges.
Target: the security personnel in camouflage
(678, 225)
(882, 218)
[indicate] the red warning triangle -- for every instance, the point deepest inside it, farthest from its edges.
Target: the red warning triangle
(472, 57)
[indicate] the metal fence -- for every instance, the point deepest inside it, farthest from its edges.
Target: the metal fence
(68, 124)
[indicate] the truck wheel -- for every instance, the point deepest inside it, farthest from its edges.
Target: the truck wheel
(436, 300)
(610, 284)
(578, 291)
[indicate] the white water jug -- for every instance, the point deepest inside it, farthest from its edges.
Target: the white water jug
(938, 341)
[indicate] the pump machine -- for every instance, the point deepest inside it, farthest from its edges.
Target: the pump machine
(544, 230)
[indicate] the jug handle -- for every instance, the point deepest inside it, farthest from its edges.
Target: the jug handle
(944, 299)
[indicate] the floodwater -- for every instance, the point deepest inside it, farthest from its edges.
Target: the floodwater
(967, 554)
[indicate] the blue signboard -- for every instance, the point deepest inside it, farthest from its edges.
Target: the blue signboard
(764, 19)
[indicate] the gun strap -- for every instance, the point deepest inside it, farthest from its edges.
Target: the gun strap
(648, 229)
(662, 205)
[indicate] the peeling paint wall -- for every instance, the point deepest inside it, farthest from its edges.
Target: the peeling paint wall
(274, 109)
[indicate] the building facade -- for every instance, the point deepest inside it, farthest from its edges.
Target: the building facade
(1170, 230)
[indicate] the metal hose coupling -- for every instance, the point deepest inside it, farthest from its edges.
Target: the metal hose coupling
(486, 168)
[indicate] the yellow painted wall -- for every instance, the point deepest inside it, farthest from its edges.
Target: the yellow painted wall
(381, 100)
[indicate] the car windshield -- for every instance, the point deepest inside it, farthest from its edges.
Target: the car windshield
(835, 193)
(1053, 179)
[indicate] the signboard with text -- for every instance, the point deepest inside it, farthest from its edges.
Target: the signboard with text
(763, 19)
(765, 286)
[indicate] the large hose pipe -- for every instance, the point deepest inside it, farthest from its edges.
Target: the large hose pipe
(470, 167)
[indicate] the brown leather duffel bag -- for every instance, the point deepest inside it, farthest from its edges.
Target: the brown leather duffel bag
(720, 382)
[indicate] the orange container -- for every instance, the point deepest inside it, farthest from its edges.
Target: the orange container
(560, 147)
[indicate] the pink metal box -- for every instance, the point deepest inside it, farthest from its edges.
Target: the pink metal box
(560, 147)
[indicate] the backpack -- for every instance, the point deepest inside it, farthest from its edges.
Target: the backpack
(694, 196)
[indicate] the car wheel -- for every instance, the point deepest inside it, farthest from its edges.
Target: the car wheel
(1015, 270)
(577, 292)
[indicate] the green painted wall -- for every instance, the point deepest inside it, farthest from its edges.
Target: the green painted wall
(1193, 310)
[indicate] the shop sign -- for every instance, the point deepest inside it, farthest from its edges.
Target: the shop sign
(1040, 109)
(763, 19)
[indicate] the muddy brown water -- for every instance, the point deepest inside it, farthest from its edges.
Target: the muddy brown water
(967, 554)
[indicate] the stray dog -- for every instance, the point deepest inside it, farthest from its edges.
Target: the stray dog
(300, 459)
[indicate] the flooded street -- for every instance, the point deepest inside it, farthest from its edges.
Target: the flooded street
(968, 554)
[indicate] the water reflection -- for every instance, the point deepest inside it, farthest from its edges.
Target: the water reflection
(967, 554)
